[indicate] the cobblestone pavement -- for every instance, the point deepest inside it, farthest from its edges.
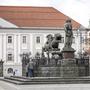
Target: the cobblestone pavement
(9, 86)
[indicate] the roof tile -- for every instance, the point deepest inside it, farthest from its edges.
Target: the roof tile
(34, 16)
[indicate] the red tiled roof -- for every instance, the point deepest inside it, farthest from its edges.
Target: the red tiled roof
(23, 16)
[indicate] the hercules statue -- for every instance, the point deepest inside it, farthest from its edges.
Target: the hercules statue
(68, 33)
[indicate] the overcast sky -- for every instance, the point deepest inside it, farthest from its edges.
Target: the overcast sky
(79, 10)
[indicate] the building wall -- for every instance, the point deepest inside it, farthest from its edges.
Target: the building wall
(87, 44)
(17, 47)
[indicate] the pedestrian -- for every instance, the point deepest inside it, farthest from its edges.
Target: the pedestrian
(31, 68)
(27, 70)
(14, 73)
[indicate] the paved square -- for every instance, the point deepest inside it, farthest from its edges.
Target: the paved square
(9, 86)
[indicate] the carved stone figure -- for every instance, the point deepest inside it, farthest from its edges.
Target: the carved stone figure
(52, 45)
(48, 45)
(52, 42)
(55, 42)
(68, 33)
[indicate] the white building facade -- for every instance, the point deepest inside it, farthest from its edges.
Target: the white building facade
(15, 41)
(24, 29)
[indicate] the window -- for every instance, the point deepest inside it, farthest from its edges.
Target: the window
(86, 41)
(9, 39)
(73, 41)
(10, 57)
(37, 39)
(24, 39)
(10, 70)
(62, 40)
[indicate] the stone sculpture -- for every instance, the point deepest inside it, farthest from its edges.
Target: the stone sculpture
(68, 33)
(52, 42)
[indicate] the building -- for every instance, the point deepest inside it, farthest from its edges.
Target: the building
(87, 40)
(24, 29)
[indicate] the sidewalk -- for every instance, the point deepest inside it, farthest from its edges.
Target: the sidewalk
(10, 86)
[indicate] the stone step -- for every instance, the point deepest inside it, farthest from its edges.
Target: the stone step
(47, 80)
(30, 83)
(17, 79)
(32, 78)
(12, 81)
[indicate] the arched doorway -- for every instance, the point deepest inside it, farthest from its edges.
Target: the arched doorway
(10, 71)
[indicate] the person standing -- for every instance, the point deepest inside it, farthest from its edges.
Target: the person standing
(31, 68)
(27, 70)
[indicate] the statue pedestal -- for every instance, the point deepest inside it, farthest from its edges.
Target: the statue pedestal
(68, 63)
(69, 68)
(68, 52)
(67, 55)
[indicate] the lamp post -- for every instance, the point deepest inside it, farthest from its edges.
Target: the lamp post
(1, 68)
